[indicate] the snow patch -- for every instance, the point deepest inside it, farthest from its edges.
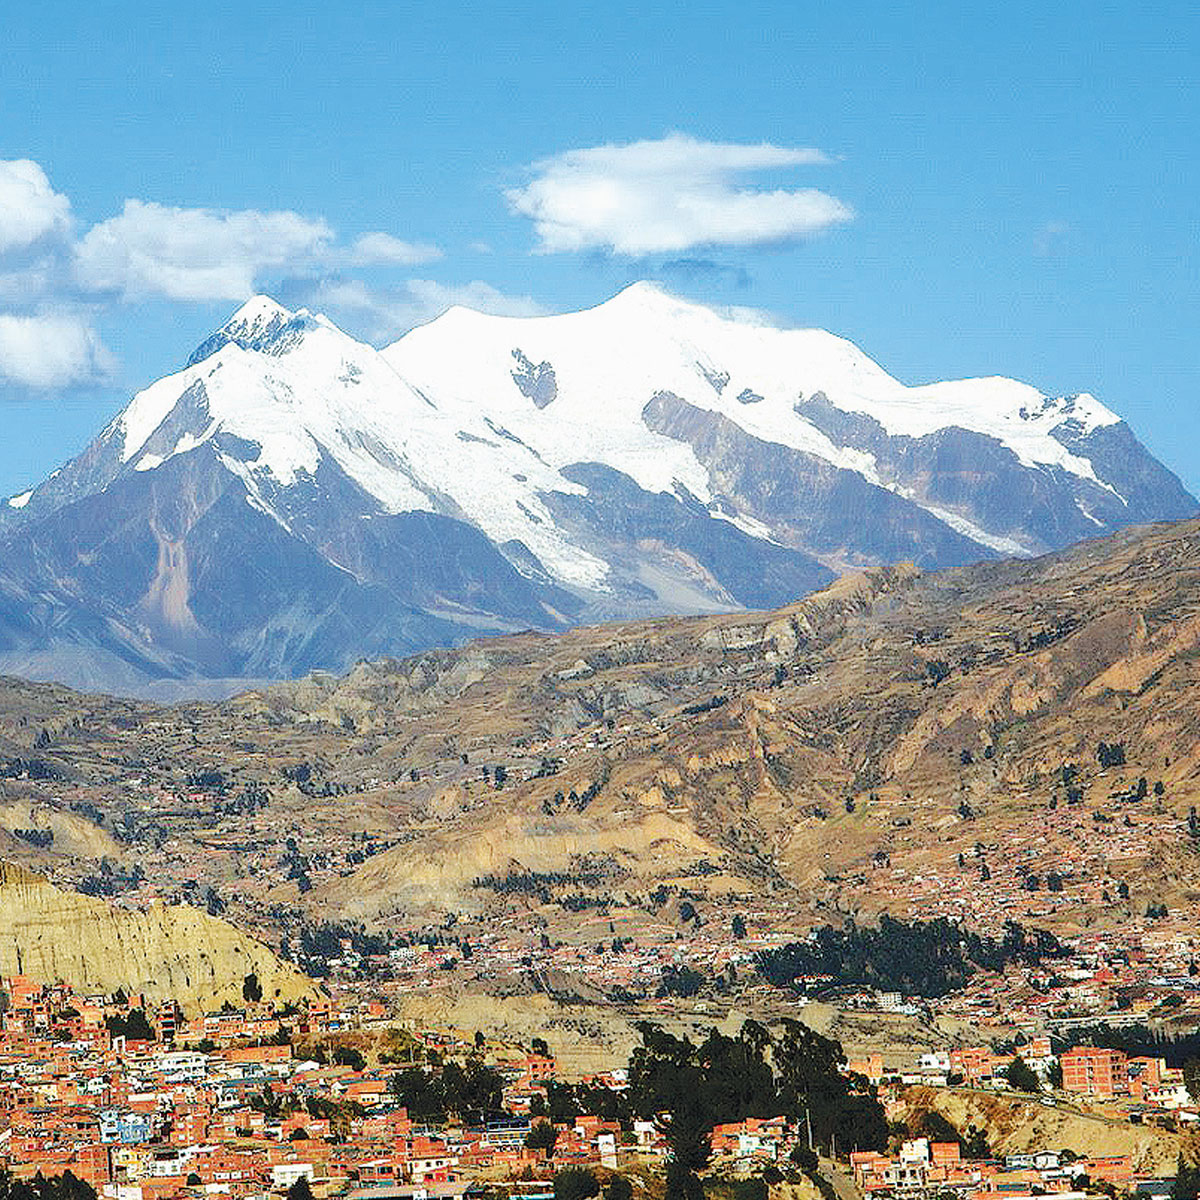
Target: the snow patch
(960, 524)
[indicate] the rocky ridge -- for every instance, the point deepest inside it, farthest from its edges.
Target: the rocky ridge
(294, 499)
(163, 951)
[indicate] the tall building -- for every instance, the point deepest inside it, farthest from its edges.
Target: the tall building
(1094, 1071)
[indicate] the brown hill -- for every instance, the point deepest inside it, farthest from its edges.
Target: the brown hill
(1016, 1126)
(164, 952)
(885, 743)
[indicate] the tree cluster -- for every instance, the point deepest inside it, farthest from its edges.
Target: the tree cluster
(42, 838)
(918, 958)
(133, 1026)
(1022, 1076)
(566, 1101)
(469, 1091)
(55, 1187)
(691, 1087)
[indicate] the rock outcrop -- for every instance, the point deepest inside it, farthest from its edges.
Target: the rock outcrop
(164, 952)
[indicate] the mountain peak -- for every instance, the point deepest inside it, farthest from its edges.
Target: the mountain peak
(643, 289)
(252, 327)
(259, 310)
(647, 295)
(647, 298)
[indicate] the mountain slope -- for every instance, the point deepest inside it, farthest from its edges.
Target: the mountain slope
(294, 498)
(873, 747)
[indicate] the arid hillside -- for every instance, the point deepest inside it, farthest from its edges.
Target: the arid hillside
(164, 952)
(1014, 1126)
(1007, 740)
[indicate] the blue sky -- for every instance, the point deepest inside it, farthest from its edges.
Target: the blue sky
(959, 189)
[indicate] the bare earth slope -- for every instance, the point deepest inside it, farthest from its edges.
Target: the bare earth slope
(164, 952)
(1020, 1126)
(874, 746)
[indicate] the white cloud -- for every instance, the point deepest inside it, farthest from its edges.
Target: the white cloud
(671, 195)
(435, 298)
(51, 351)
(30, 209)
(193, 253)
(49, 275)
(381, 249)
(205, 254)
(382, 314)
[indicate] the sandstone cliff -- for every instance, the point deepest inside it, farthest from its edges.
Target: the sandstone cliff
(57, 936)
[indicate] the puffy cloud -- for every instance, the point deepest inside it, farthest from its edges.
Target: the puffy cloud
(51, 351)
(670, 196)
(30, 209)
(434, 298)
(382, 314)
(204, 254)
(193, 253)
(383, 250)
(49, 274)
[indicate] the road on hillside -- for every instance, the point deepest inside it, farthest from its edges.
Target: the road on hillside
(1030, 1098)
(841, 1181)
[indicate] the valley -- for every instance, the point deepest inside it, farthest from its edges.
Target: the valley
(1005, 742)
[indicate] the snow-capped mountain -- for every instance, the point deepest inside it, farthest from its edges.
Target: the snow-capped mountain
(294, 498)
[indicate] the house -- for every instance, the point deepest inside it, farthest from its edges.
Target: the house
(283, 1175)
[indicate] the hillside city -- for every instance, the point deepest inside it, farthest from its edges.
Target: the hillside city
(599, 601)
(333, 1097)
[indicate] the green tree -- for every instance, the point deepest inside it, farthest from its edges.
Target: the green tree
(1191, 1078)
(575, 1183)
(811, 1082)
(975, 1144)
(54, 1187)
(348, 1056)
(689, 1147)
(618, 1188)
(420, 1093)
(680, 980)
(472, 1090)
(1021, 1076)
(1187, 1181)
(750, 1189)
(135, 1027)
(300, 1190)
(562, 1102)
(541, 1136)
